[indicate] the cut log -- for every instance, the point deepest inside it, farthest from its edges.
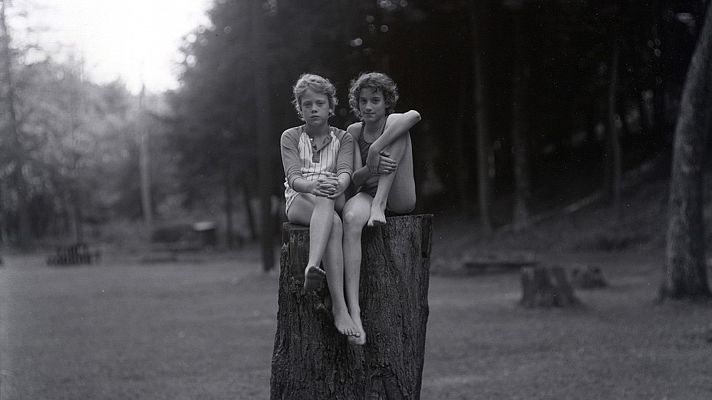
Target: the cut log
(311, 360)
(546, 287)
(588, 277)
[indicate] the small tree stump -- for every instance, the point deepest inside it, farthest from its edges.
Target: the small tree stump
(588, 277)
(311, 360)
(546, 287)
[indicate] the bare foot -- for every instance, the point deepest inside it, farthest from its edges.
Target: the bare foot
(377, 216)
(359, 340)
(313, 276)
(344, 324)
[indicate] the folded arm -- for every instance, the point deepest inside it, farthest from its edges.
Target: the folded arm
(397, 125)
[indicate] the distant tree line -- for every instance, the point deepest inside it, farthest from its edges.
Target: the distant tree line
(571, 94)
(68, 148)
(530, 103)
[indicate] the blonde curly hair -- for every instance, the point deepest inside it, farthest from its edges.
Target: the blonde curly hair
(318, 84)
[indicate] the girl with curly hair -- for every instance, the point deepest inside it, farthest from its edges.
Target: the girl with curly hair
(383, 173)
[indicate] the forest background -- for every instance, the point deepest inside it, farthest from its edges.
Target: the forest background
(528, 106)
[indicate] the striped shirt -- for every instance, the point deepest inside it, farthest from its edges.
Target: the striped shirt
(302, 159)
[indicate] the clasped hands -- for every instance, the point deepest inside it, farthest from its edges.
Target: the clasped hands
(328, 185)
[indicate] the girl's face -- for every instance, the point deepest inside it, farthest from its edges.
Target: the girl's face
(372, 105)
(315, 108)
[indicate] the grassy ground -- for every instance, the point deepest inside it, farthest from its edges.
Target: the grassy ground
(204, 330)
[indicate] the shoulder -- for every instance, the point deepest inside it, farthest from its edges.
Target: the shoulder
(354, 130)
(341, 135)
(291, 134)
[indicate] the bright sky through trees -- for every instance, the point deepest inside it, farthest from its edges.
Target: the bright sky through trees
(135, 40)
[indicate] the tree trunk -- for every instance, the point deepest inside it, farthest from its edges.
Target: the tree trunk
(78, 217)
(227, 187)
(519, 144)
(462, 169)
(685, 270)
(264, 130)
(482, 117)
(18, 180)
(613, 151)
(247, 196)
(311, 360)
(145, 165)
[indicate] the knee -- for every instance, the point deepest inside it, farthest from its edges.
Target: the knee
(405, 207)
(323, 202)
(336, 226)
(353, 219)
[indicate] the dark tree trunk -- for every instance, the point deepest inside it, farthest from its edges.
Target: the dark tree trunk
(685, 270)
(482, 117)
(3, 216)
(462, 169)
(613, 147)
(145, 164)
(247, 196)
(78, 217)
(312, 361)
(264, 130)
(227, 187)
(646, 115)
(18, 180)
(519, 144)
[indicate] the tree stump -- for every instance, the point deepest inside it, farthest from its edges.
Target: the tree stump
(588, 277)
(546, 287)
(311, 360)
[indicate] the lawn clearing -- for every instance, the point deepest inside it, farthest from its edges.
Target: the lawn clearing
(205, 331)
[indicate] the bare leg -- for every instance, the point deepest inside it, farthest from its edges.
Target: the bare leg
(317, 213)
(401, 198)
(396, 189)
(356, 213)
(334, 263)
(325, 241)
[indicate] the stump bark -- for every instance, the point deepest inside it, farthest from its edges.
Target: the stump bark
(546, 287)
(311, 360)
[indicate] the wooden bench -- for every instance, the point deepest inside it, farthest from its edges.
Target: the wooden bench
(74, 254)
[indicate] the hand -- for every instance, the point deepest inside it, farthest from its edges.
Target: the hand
(386, 164)
(340, 189)
(325, 186)
(373, 159)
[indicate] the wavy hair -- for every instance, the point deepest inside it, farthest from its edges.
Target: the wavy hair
(376, 81)
(318, 84)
